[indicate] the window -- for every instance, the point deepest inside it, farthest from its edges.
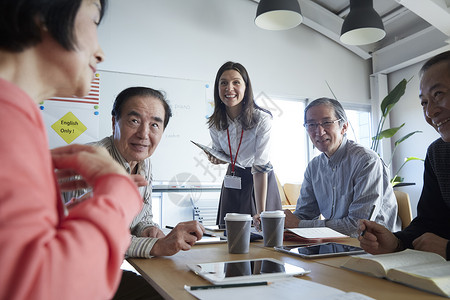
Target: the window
(359, 124)
(288, 139)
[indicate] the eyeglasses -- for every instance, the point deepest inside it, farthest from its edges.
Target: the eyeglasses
(325, 125)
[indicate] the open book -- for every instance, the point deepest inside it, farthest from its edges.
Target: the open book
(217, 154)
(418, 269)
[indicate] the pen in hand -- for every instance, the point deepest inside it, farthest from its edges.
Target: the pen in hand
(370, 219)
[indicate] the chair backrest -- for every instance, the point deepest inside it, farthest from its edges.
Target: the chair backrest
(292, 191)
(404, 208)
(284, 201)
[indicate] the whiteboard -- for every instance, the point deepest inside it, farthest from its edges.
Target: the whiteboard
(72, 120)
(176, 160)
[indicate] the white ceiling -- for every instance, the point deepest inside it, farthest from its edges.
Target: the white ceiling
(415, 29)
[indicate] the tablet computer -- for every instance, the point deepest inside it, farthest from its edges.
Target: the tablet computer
(249, 270)
(321, 250)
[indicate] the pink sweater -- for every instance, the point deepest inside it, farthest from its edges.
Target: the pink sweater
(44, 255)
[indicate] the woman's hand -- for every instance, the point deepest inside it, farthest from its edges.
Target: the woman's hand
(89, 162)
(214, 160)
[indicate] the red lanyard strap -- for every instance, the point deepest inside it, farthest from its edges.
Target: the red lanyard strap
(233, 163)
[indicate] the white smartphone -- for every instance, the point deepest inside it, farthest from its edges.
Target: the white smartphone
(321, 250)
(245, 270)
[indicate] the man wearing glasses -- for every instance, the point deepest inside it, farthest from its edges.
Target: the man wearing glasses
(345, 183)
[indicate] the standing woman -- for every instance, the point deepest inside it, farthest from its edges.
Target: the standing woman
(49, 48)
(241, 129)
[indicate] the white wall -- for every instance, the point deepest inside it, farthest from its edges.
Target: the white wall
(408, 110)
(192, 39)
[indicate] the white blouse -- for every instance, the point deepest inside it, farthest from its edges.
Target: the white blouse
(255, 146)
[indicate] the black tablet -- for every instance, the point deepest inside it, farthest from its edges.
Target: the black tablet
(321, 250)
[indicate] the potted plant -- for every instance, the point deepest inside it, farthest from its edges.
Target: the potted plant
(386, 106)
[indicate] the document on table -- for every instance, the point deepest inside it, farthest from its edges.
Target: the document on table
(205, 239)
(317, 233)
(286, 289)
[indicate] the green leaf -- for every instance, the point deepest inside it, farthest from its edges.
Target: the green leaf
(412, 158)
(393, 97)
(396, 180)
(405, 137)
(387, 133)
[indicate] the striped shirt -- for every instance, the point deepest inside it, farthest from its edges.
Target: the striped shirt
(140, 246)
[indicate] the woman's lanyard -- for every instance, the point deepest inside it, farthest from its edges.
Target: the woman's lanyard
(233, 163)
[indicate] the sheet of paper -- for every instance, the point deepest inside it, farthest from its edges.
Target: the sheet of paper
(286, 289)
(204, 240)
(211, 240)
(317, 233)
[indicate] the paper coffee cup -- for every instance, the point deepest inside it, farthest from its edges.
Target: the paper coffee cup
(272, 223)
(238, 232)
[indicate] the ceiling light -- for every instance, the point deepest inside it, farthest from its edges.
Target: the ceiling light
(363, 25)
(278, 14)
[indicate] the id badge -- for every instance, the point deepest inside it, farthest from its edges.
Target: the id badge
(232, 182)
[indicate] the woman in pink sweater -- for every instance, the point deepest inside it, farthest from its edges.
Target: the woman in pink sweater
(50, 48)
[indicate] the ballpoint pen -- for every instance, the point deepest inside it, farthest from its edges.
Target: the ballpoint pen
(223, 286)
(370, 218)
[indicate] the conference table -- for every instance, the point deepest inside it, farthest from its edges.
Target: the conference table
(169, 275)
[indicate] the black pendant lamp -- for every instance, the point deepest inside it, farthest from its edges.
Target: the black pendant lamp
(363, 25)
(278, 14)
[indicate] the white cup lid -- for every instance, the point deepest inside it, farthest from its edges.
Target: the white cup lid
(273, 214)
(237, 217)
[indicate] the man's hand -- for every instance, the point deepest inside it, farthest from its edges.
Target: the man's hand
(291, 220)
(257, 222)
(153, 232)
(431, 243)
(377, 239)
(182, 237)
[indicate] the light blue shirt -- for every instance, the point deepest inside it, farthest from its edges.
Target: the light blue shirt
(344, 187)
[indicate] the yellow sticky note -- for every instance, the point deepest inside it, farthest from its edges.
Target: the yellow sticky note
(69, 127)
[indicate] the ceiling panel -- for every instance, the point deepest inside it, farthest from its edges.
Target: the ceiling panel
(406, 22)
